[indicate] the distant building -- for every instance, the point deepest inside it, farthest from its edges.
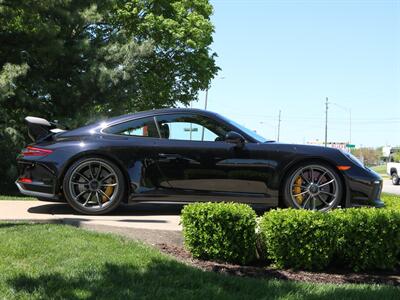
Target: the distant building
(338, 145)
(386, 151)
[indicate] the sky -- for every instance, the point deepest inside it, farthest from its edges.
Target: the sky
(291, 55)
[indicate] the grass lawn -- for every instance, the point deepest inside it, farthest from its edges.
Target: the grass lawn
(381, 169)
(39, 261)
(391, 201)
(16, 197)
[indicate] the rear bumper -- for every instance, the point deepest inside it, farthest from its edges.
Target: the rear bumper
(36, 180)
(33, 190)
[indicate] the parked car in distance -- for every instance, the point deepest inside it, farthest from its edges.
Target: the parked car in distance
(186, 155)
(393, 170)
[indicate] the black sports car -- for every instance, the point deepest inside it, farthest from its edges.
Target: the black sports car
(186, 155)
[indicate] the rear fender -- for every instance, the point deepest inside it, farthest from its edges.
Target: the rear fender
(94, 154)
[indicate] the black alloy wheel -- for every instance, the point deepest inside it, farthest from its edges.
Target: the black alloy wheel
(94, 186)
(313, 186)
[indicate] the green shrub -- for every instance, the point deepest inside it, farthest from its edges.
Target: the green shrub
(220, 231)
(298, 239)
(368, 238)
(357, 238)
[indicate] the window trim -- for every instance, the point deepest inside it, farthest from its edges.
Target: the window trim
(158, 127)
(248, 139)
(192, 114)
(134, 136)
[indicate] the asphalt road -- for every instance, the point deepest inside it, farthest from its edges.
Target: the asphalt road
(388, 187)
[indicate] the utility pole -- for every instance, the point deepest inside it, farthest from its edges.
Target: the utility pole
(279, 125)
(326, 121)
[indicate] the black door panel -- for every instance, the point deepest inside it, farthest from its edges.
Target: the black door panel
(212, 167)
(187, 162)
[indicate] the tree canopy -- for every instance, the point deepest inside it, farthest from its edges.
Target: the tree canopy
(73, 60)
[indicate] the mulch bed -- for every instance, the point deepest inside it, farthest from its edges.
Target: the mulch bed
(332, 276)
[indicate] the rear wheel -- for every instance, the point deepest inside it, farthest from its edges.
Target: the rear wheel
(313, 186)
(395, 179)
(94, 186)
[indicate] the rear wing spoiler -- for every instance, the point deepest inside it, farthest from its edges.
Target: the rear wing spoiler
(40, 129)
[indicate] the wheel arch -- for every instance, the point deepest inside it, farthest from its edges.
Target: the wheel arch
(393, 170)
(88, 154)
(295, 164)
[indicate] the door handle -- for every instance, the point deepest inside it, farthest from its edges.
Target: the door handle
(169, 156)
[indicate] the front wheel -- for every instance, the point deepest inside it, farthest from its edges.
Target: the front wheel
(313, 186)
(395, 179)
(94, 186)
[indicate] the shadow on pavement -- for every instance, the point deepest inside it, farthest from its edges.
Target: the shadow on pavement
(136, 209)
(141, 209)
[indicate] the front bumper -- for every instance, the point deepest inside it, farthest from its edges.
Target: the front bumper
(365, 190)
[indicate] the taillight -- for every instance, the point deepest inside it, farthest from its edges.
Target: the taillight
(34, 151)
(25, 180)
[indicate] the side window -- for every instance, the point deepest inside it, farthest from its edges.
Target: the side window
(190, 127)
(140, 127)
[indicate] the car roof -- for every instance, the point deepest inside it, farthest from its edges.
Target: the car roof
(154, 112)
(123, 118)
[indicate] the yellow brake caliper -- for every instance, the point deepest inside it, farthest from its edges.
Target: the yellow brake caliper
(109, 190)
(297, 190)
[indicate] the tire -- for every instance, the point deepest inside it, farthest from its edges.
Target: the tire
(395, 179)
(313, 186)
(94, 186)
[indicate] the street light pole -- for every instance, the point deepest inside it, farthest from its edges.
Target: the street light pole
(206, 100)
(206, 97)
(191, 127)
(350, 126)
(205, 108)
(326, 121)
(279, 125)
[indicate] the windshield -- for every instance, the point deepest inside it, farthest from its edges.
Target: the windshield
(249, 132)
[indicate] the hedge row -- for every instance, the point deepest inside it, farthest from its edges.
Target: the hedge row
(220, 231)
(359, 238)
(298, 239)
(356, 238)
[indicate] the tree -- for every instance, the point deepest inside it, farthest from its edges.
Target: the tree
(370, 156)
(74, 61)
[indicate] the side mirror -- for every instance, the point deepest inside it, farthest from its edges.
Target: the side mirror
(235, 138)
